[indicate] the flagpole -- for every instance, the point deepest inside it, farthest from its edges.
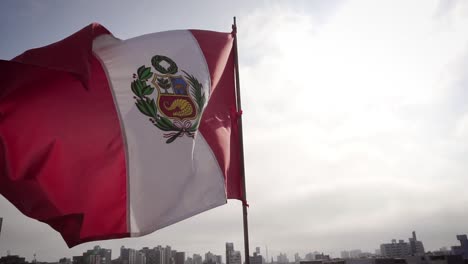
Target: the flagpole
(241, 140)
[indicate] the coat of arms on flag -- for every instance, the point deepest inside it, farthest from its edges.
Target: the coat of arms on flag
(180, 100)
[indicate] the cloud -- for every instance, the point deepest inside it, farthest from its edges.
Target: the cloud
(350, 124)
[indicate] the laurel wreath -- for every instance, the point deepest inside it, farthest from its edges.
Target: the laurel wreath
(147, 105)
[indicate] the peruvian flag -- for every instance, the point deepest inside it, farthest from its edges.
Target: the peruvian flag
(105, 138)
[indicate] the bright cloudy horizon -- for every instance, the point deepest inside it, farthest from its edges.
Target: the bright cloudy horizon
(355, 121)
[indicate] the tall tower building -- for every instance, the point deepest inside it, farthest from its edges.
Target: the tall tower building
(229, 249)
(232, 256)
(197, 259)
(180, 258)
(168, 255)
(416, 247)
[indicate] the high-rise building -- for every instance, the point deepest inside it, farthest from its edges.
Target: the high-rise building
(416, 247)
(282, 259)
(235, 257)
(140, 257)
(395, 250)
(229, 249)
(97, 255)
(94, 259)
(345, 254)
(168, 255)
(232, 256)
(153, 256)
(197, 259)
(131, 256)
(297, 258)
(179, 258)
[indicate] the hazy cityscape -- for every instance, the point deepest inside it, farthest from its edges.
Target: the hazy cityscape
(355, 133)
(399, 251)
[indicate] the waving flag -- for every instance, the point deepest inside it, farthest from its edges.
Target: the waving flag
(105, 138)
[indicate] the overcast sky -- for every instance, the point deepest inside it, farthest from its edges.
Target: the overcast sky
(355, 120)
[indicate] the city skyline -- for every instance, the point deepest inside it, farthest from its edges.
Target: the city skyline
(355, 120)
(282, 257)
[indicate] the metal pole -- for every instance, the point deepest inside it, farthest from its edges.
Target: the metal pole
(241, 141)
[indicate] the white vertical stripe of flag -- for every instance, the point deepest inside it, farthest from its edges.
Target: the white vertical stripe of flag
(166, 182)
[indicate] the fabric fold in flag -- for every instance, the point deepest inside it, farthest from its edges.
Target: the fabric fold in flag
(105, 138)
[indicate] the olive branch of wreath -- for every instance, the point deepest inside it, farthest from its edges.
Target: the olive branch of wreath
(147, 105)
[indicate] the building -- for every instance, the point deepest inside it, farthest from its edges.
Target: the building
(235, 257)
(395, 250)
(322, 257)
(311, 255)
(65, 261)
(197, 259)
(297, 258)
(344, 254)
(179, 258)
(168, 255)
(12, 259)
(153, 256)
(282, 259)
(229, 249)
(355, 253)
(416, 247)
(232, 256)
(256, 259)
(132, 256)
(211, 258)
(97, 255)
(435, 259)
(463, 248)
(140, 257)
(78, 260)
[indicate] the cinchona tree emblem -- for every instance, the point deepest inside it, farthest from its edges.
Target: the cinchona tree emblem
(180, 98)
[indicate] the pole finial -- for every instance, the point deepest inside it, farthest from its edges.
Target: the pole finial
(234, 26)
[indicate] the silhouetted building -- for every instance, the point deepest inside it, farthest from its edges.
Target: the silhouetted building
(395, 250)
(368, 261)
(65, 261)
(322, 257)
(229, 249)
(282, 259)
(197, 259)
(168, 255)
(232, 256)
(12, 259)
(131, 256)
(78, 260)
(151, 255)
(179, 258)
(416, 247)
(256, 259)
(97, 255)
(463, 248)
(435, 259)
